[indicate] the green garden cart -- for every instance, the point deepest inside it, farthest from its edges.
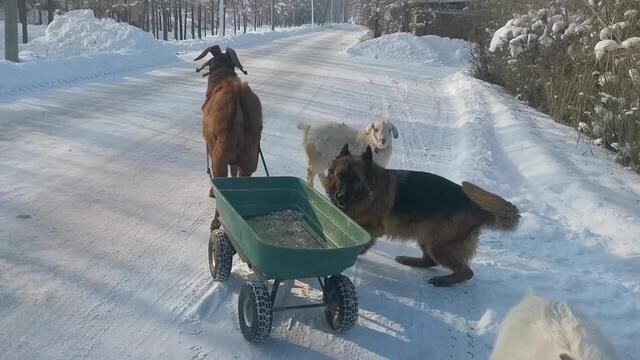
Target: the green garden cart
(340, 241)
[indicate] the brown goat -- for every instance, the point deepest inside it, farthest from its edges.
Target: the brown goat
(231, 121)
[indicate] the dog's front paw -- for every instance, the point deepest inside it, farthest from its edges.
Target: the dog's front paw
(439, 281)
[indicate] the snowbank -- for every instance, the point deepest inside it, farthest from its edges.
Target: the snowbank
(78, 32)
(429, 49)
(75, 47)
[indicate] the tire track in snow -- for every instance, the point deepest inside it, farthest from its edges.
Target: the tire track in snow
(547, 246)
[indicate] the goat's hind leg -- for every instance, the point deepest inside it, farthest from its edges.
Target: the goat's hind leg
(210, 169)
(310, 176)
(323, 178)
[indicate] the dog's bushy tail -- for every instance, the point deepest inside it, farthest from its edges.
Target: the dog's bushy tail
(304, 127)
(506, 216)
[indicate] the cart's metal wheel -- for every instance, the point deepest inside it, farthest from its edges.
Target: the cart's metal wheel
(341, 303)
(221, 253)
(254, 311)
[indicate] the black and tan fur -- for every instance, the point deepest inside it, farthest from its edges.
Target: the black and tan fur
(443, 217)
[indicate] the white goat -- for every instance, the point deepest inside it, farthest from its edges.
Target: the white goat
(543, 329)
(322, 143)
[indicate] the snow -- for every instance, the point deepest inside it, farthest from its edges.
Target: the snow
(104, 214)
(76, 47)
(406, 47)
(33, 31)
(241, 40)
(78, 32)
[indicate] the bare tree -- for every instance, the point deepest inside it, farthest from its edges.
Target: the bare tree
(180, 30)
(199, 19)
(50, 8)
(176, 36)
(22, 14)
(193, 22)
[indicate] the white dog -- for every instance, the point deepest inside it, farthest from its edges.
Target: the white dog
(323, 142)
(543, 329)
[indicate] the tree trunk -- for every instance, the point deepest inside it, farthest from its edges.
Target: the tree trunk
(324, 16)
(22, 14)
(376, 26)
(165, 22)
(218, 17)
(213, 15)
(199, 19)
(40, 16)
(224, 17)
(180, 30)
(186, 11)
(176, 34)
(235, 18)
(11, 46)
(193, 22)
(154, 24)
(148, 16)
(204, 19)
(255, 15)
(273, 24)
(405, 17)
(49, 11)
(145, 8)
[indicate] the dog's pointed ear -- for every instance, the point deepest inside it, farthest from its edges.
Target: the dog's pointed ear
(367, 156)
(344, 151)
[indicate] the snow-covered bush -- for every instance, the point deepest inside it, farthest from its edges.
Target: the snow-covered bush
(577, 60)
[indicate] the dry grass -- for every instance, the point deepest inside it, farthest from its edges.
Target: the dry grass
(598, 97)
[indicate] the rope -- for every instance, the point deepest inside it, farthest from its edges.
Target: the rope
(263, 162)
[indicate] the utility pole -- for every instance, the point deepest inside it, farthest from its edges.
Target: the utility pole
(11, 30)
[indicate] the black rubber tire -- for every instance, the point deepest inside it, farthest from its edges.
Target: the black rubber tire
(341, 299)
(254, 311)
(221, 253)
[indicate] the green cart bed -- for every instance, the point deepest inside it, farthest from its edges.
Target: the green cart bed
(337, 241)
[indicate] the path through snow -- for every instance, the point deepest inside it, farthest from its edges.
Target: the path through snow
(104, 215)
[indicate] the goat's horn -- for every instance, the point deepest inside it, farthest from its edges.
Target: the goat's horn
(214, 50)
(198, 69)
(234, 59)
(205, 74)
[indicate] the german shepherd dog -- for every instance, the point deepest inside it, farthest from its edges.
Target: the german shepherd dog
(444, 217)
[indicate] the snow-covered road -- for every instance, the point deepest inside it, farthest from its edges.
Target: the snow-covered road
(104, 215)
